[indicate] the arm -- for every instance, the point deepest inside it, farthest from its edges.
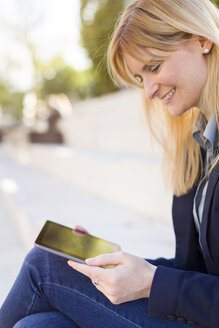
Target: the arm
(189, 295)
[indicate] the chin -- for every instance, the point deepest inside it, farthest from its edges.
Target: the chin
(176, 112)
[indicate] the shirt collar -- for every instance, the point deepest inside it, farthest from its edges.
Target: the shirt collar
(206, 133)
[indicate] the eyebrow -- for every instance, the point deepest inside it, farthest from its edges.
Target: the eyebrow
(145, 66)
(151, 63)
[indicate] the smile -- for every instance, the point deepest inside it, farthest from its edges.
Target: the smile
(169, 95)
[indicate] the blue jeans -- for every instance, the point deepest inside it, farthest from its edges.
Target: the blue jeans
(49, 294)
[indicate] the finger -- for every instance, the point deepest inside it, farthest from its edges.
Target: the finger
(91, 272)
(100, 287)
(105, 259)
(99, 284)
(79, 230)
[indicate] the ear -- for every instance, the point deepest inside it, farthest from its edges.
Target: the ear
(205, 44)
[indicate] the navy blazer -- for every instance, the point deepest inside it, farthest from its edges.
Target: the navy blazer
(186, 288)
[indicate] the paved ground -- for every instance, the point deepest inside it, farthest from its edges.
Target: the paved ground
(12, 251)
(29, 197)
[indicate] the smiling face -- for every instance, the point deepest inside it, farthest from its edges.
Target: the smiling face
(178, 80)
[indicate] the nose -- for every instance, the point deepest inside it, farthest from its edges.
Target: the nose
(151, 87)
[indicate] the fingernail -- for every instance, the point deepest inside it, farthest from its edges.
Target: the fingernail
(91, 260)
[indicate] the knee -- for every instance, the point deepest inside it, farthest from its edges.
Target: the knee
(38, 259)
(34, 257)
(34, 262)
(22, 324)
(27, 322)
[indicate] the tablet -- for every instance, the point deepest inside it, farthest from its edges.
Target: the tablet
(66, 242)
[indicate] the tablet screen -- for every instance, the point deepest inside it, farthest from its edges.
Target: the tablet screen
(64, 240)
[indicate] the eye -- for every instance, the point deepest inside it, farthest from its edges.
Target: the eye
(155, 69)
(138, 78)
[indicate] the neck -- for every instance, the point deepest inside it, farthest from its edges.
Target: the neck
(206, 114)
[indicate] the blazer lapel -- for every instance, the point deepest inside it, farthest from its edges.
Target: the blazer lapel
(207, 207)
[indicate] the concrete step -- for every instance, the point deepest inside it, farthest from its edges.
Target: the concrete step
(130, 181)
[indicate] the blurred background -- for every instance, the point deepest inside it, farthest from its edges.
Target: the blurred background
(73, 148)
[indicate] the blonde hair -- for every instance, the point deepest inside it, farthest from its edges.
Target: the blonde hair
(164, 24)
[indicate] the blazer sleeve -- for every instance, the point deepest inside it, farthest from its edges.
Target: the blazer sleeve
(185, 296)
(162, 261)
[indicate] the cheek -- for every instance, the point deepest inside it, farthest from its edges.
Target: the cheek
(197, 78)
(197, 70)
(172, 74)
(170, 77)
(202, 74)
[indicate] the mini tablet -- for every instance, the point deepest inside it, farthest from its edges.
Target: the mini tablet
(66, 242)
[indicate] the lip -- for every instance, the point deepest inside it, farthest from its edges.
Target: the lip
(167, 101)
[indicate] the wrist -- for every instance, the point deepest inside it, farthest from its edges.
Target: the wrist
(152, 271)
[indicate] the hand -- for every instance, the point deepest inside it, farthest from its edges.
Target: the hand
(130, 278)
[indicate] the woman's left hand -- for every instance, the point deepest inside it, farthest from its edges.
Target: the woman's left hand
(129, 279)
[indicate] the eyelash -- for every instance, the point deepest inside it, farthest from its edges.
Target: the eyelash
(153, 69)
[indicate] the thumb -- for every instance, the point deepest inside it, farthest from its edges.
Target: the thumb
(106, 259)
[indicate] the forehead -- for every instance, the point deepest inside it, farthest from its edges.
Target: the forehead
(151, 56)
(147, 56)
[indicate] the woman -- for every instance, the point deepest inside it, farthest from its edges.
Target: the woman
(170, 49)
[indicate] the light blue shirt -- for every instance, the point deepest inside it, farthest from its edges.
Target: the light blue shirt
(206, 134)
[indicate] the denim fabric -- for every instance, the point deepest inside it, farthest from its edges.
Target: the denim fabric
(51, 319)
(48, 293)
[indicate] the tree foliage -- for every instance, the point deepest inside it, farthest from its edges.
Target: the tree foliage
(58, 77)
(98, 18)
(10, 101)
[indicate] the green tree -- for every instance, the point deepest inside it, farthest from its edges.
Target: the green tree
(15, 105)
(57, 77)
(11, 102)
(25, 18)
(4, 95)
(98, 18)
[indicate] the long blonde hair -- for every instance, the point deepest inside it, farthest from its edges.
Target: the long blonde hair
(164, 24)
